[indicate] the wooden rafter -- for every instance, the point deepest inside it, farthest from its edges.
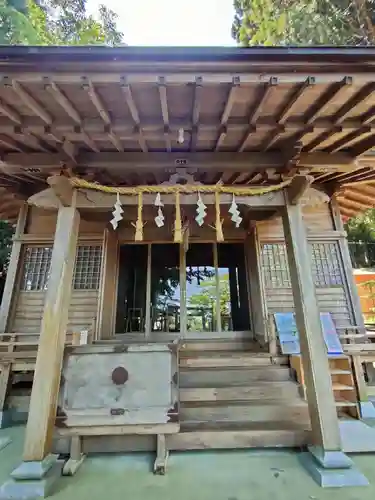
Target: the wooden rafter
(328, 176)
(11, 113)
(363, 146)
(10, 143)
(352, 203)
(71, 111)
(358, 195)
(101, 109)
(164, 111)
(285, 113)
(227, 111)
(342, 113)
(254, 115)
(198, 87)
(357, 176)
(128, 94)
(349, 139)
(32, 103)
(333, 92)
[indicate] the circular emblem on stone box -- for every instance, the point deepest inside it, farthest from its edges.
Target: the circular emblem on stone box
(120, 375)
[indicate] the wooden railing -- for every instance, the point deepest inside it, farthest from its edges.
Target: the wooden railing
(18, 352)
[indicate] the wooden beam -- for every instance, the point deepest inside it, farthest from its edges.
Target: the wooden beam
(320, 398)
(126, 89)
(10, 112)
(236, 162)
(198, 87)
(13, 269)
(108, 285)
(96, 200)
(298, 187)
(32, 103)
(255, 113)
(253, 73)
(44, 395)
(164, 111)
(62, 188)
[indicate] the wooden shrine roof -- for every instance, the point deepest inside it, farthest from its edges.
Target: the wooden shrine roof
(249, 116)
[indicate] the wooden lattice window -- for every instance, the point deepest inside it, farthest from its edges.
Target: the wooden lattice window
(87, 268)
(326, 264)
(36, 268)
(275, 265)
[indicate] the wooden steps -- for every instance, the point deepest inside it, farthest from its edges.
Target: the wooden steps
(260, 391)
(252, 411)
(238, 435)
(238, 399)
(227, 359)
(231, 377)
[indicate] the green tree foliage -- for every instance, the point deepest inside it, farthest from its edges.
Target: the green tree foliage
(56, 22)
(301, 22)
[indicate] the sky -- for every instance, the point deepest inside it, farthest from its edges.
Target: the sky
(172, 22)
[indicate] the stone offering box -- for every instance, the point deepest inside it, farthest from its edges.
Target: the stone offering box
(134, 386)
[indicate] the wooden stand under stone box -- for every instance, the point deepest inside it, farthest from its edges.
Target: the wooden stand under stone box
(118, 389)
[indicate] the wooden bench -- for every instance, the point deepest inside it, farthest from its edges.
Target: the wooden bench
(18, 352)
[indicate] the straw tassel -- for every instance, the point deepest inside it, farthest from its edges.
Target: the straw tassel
(139, 223)
(177, 223)
(218, 224)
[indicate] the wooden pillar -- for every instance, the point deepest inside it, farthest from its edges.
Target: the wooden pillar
(257, 298)
(14, 262)
(148, 308)
(217, 287)
(5, 311)
(322, 409)
(108, 285)
(44, 394)
(183, 305)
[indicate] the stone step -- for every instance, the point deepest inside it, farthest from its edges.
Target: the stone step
(251, 411)
(262, 390)
(231, 377)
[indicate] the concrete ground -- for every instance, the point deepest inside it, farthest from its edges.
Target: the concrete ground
(237, 475)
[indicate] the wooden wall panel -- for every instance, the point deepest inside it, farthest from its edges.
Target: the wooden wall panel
(83, 309)
(333, 300)
(317, 219)
(43, 223)
(28, 311)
